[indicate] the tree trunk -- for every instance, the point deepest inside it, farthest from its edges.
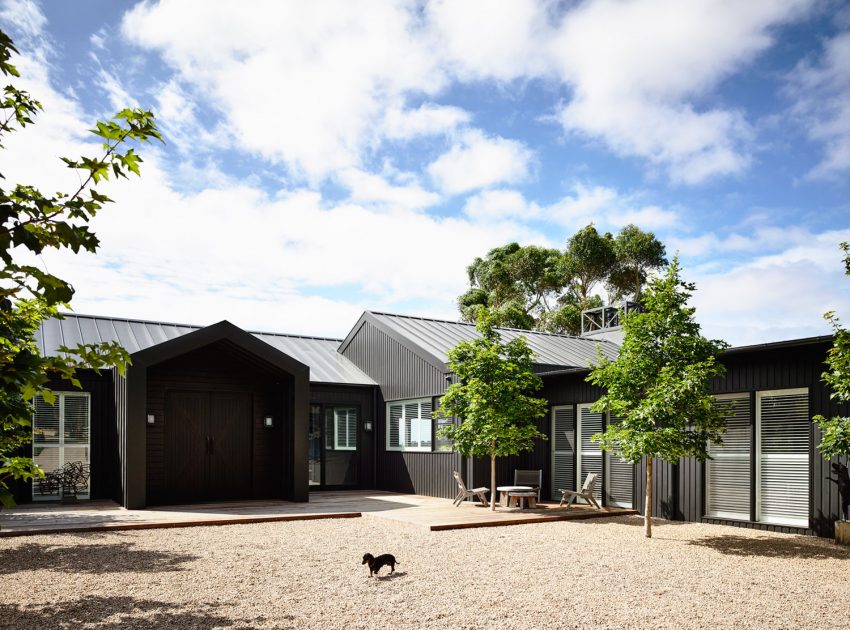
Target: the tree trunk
(492, 483)
(647, 510)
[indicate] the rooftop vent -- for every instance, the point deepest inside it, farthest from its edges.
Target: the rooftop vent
(604, 318)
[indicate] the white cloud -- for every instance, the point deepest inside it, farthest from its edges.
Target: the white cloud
(500, 204)
(639, 68)
(477, 161)
(427, 119)
(374, 189)
(821, 91)
(304, 84)
(119, 98)
(778, 296)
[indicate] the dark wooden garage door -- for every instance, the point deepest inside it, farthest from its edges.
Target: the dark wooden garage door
(207, 446)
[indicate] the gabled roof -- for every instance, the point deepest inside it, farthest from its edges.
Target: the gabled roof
(319, 353)
(435, 337)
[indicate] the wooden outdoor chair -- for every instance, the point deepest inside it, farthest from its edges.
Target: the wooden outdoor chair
(531, 478)
(464, 494)
(585, 493)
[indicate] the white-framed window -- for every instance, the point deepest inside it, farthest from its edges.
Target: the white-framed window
(60, 435)
(783, 454)
(728, 472)
(409, 425)
(344, 428)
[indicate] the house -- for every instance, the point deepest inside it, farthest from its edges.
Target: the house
(220, 413)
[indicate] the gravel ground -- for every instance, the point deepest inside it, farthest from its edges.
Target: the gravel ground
(589, 574)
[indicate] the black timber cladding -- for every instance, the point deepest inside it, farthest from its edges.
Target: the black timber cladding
(402, 369)
(105, 481)
(679, 488)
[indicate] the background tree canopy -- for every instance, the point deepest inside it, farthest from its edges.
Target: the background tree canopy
(537, 288)
(31, 223)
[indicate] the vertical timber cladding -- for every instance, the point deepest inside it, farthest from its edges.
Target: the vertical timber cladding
(363, 399)
(404, 375)
(208, 441)
(105, 480)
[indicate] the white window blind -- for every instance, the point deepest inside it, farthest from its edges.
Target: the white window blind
(783, 430)
(589, 454)
(727, 473)
(409, 426)
(345, 428)
(60, 435)
(563, 450)
(620, 475)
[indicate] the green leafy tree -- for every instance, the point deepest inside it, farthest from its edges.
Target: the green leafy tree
(517, 284)
(659, 385)
(835, 439)
(493, 397)
(536, 288)
(637, 253)
(31, 223)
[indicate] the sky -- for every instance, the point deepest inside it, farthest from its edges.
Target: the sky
(326, 158)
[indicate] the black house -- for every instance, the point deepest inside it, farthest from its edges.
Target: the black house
(219, 413)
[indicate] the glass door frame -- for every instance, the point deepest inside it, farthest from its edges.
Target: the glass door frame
(322, 437)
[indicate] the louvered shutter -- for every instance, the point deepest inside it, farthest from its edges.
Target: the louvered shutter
(394, 427)
(351, 428)
(411, 428)
(727, 473)
(425, 427)
(783, 430)
(60, 436)
(563, 450)
(46, 444)
(590, 455)
(330, 429)
(620, 475)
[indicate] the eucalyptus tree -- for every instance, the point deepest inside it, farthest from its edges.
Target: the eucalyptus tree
(659, 386)
(637, 253)
(30, 224)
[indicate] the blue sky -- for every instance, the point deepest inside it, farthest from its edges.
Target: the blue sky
(327, 158)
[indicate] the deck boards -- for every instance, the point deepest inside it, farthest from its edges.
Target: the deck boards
(431, 513)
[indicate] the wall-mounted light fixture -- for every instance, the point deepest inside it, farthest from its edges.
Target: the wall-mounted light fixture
(151, 418)
(268, 422)
(367, 425)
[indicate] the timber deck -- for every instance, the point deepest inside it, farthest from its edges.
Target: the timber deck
(428, 512)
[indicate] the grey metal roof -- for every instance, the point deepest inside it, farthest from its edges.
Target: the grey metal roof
(437, 337)
(326, 364)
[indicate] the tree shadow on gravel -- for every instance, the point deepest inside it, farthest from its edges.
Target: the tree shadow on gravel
(768, 547)
(97, 559)
(119, 612)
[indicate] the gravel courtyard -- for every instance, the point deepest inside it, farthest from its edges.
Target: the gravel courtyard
(307, 574)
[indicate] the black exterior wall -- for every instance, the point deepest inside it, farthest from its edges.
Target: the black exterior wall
(679, 488)
(364, 398)
(104, 462)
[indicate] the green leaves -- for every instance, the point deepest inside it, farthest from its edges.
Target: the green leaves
(660, 383)
(537, 288)
(493, 394)
(31, 223)
(835, 438)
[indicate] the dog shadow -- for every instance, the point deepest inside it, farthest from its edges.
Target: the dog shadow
(392, 576)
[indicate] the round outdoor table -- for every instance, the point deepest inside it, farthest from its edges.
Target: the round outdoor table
(517, 493)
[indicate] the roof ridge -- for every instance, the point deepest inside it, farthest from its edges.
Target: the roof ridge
(197, 326)
(459, 323)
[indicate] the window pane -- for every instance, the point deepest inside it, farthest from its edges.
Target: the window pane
(45, 426)
(394, 439)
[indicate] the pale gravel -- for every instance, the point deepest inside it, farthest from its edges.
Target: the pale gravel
(590, 574)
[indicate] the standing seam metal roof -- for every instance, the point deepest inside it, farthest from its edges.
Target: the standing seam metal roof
(437, 337)
(326, 364)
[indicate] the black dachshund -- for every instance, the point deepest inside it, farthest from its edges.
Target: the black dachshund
(376, 563)
(842, 479)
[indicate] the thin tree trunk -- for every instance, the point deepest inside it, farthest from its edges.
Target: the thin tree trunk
(647, 510)
(492, 483)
